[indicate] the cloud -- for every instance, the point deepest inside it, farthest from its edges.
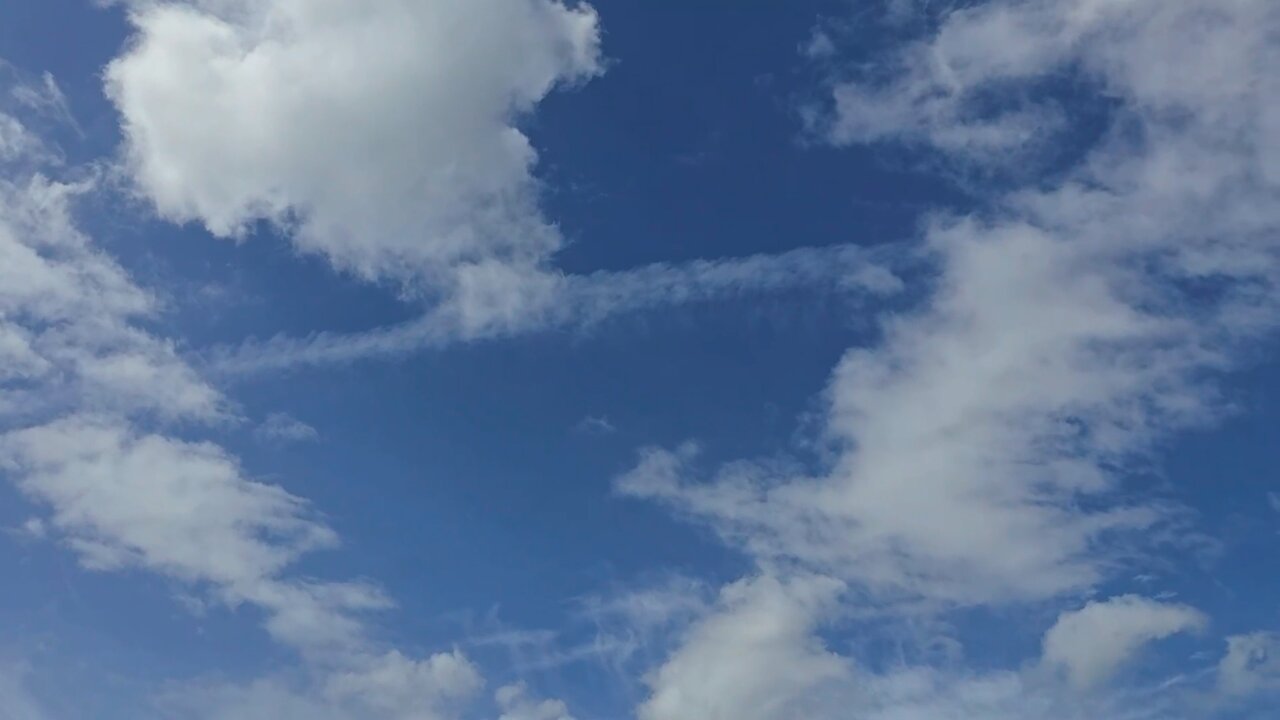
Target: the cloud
(46, 99)
(1092, 643)
(985, 450)
(498, 302)
(758, 654)
(390, 686)
(385, 138)
(1064, 335)
(66, 311)
(515, 704)
(184, 509)
(91, 398)
(1251, 665)
(381, 136)
(753, 658)
(399, 687)
(595, 425)
(16, 700)
(282, 427)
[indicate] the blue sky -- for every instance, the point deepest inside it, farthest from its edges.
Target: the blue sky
(537, 361)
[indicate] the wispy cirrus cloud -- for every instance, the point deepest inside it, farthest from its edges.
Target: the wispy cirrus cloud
(282, 427)
(495, 302)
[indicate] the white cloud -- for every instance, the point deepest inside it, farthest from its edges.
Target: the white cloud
(981, 449)
(1063, 335)
(595, 425)
(183, 509)
(67, 312)
(515, 704)
(282, 427)
(45, 99)
(395, 686)
(1092, 643)
(87, 420)
(1251, 665)
(386, 687)
(16, 700)
(42, 100)
(757, 654)
(753, 658)
(15, 141)
(498, 302)
(380, 135)
(385, 137)
(925, 693)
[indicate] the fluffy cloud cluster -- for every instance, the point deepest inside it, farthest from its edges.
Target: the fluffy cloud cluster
(982, 444)
(384, 136)
(1092, 643)
(1061, 338)
(380, 135)
(756, 655)
(91, 402)
(65, 315)
(516, 704)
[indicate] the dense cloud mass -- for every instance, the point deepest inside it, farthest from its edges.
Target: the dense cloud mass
(380, 135)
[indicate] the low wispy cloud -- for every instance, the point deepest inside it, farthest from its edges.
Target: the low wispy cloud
(498, 301)
(595, 425)
(284, 428)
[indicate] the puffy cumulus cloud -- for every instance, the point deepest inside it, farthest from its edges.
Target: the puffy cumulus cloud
(123, 498)
(89, 398)
(961, 89)
(1092, 643)
(385, 137)
(68, 312)
(758, 653)
(380, 135)
(395, 686)
(1251, 665)
(40, 100)
(515, 704)
(754, 657)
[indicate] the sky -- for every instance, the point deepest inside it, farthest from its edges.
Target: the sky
(543, 360)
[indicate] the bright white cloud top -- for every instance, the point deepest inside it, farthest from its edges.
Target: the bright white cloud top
(379, 135)
(982, 457)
